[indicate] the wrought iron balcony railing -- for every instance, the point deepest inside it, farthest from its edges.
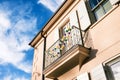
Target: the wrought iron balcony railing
(71, 38)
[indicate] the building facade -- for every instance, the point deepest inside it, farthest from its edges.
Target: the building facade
(80, 42)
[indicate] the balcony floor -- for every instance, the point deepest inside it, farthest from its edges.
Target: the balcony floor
(70, 59)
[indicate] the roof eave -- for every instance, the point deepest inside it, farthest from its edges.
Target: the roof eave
(38, 37)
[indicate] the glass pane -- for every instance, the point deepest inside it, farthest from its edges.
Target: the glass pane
(93, 3)
(99, 12)
(107, 6)
(116, 70)
(99, 0)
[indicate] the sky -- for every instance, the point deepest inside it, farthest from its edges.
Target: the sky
(20, 21)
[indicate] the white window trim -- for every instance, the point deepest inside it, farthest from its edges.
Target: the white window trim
(111, 61)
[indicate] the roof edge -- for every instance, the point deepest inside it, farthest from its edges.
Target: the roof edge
(39, 36)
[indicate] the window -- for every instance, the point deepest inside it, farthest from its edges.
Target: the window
(94, 3)
(113, 69)
(100, 7)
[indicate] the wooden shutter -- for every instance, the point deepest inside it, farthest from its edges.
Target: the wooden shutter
(83, 15)
(83, 76)
(98, 73)
(73, 19)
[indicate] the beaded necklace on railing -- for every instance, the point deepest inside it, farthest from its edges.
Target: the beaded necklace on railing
(62, 43)
(66, 36)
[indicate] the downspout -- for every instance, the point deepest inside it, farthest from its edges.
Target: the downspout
(44, 49)
(80, 28)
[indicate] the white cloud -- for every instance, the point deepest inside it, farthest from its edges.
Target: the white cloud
(14, 38)
(4, 21)
(7, 55)
(7, 77)
(10, 54)
(22, 78)
(25, 66)
(25, 25)
(14, 77)
(51, 4)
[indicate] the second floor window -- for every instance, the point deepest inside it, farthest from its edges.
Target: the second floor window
(100, 7)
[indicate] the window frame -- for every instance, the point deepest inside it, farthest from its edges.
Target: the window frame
(107, 66)
(100, 5)
(61, 28)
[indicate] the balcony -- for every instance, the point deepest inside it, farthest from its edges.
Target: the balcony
(65, 54)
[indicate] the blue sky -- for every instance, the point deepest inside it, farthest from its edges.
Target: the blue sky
(20, 21)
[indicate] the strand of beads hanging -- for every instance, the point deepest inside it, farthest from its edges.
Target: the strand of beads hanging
(56, 50)
(68, 29)
(66, 34)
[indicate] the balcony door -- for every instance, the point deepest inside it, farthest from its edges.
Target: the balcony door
(69, 36)
(65, 37)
